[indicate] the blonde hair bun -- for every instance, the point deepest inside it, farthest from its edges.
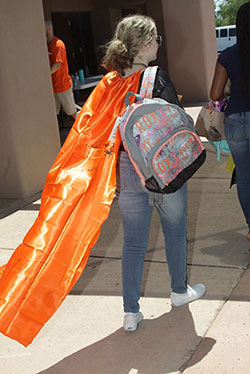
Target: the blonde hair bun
(130, 33)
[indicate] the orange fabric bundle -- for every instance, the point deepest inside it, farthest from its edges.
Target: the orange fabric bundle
(75, 202)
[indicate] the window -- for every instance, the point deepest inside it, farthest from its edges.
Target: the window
(223, 33)
(217, 33)
(232, 32)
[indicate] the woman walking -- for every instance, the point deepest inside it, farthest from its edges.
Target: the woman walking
(134, 45)
(234, 63)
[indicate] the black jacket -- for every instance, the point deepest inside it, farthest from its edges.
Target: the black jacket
(163, 88)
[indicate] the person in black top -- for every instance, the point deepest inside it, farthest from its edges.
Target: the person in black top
(234, 63)
(134, 46)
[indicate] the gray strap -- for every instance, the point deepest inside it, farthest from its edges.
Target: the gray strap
(155, 199)
(129, 94)
(148, 82)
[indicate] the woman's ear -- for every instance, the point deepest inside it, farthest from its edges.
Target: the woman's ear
(144, 48)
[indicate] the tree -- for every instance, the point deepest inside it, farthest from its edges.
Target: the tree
(227, 10)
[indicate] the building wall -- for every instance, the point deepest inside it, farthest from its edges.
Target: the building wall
(66, 6)
(191, 46)
(106, 13)
(29, 139)
(155, 11)
(188, 52)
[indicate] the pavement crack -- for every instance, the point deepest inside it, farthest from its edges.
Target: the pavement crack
(188, 264)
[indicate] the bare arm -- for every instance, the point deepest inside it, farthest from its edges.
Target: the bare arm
(219, 82)
(55, 67)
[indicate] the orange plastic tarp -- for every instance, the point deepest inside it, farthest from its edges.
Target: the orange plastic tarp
(76, 200)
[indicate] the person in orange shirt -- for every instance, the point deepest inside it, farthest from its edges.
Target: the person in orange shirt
(61, 80)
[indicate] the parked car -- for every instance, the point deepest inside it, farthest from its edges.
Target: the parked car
(225, 37)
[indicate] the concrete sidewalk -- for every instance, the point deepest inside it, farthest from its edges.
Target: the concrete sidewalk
(211, 335)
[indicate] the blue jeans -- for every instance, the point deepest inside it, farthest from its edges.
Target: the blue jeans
(237, 130)
(136, 211)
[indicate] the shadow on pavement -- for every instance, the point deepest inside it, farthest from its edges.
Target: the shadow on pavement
(158, 346)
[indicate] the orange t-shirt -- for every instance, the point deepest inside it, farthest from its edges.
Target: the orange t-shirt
(57, 53)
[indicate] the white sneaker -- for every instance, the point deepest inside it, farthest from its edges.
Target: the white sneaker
(193, 293)
(131, 321)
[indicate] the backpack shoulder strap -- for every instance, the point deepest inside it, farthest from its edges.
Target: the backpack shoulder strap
(148, 82)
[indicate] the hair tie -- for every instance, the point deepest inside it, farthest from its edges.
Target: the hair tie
(125, 49)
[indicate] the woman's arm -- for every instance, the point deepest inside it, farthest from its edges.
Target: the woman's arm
(56, 66)
(219, 82)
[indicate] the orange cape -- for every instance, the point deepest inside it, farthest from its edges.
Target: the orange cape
(76, 200)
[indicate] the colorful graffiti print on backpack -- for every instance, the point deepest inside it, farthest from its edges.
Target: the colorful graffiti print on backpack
(160, 139)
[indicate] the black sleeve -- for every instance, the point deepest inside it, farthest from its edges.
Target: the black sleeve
(164, 88)
(224, 57)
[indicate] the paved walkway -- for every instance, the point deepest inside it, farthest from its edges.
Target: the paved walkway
(209, 336)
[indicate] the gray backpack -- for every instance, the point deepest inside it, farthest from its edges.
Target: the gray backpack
(160, 139)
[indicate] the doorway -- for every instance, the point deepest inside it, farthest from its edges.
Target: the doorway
(75, 30)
